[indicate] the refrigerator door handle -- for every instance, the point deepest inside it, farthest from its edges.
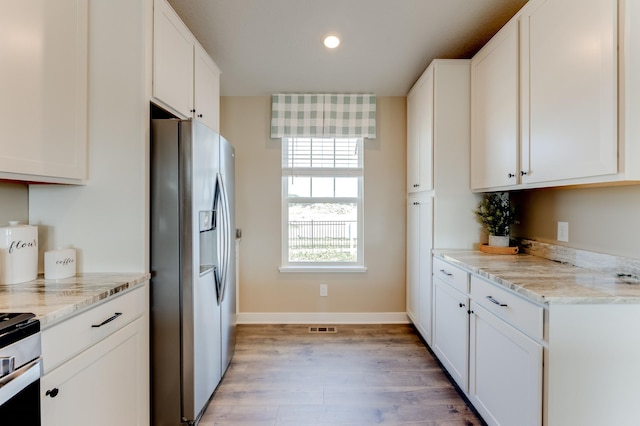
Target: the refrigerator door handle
(216, 278)
(226, 236)
(218, 223)
(222, 216)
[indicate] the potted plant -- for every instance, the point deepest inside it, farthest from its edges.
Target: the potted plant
(497, 215)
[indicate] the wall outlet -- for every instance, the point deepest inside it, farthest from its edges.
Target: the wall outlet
(324, 290)
(563, 231)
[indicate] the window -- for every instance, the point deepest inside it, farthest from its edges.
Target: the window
(322, 186)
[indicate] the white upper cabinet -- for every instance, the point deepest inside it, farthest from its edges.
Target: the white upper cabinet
(420, 134)
(494, 112)
(173, 46)
(206, 89)
(43, 81)
(186, 81)
(629, 51)
(569, 112)
(574, 66)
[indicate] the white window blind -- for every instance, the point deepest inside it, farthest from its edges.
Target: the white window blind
(320, 153)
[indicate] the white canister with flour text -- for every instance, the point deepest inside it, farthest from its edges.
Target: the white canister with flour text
(18, 253)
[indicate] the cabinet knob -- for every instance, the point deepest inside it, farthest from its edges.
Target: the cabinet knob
(523, 173)
(462, 305)
(52, 393)
(199, 115)
(511, 175)
(192, 110)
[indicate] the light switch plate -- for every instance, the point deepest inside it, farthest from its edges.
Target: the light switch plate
(563, 231)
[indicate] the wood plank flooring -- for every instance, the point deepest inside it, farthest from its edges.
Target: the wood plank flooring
(361, 375)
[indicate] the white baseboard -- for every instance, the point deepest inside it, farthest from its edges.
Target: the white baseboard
(322, 318)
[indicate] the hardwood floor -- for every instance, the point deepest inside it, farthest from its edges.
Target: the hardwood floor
(361, 375)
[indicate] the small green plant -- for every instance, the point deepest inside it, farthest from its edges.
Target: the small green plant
(496, 213)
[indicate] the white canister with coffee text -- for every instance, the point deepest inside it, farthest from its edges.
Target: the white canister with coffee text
(59, 263)
(18, 253)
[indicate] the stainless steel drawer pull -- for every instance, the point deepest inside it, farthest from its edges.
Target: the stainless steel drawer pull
(108, 320)
(492, 300)
(449, 274)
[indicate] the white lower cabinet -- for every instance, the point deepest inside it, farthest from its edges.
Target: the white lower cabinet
(490, 340)
(451, 331)
(419, 245)
(107, 383)
(563, 363)
(99, 386)
(505, 383)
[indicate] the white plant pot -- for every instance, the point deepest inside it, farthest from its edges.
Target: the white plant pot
(499, 240)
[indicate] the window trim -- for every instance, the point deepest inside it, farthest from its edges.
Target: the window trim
(340, 267)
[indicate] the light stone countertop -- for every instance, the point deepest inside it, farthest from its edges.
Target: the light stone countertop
(546, 281)
(55, 300)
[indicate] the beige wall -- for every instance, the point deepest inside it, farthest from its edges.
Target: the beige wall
(14, 202)
(245, 121)
(605, 220)
(107, 220)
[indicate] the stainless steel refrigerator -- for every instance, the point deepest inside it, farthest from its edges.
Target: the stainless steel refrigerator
(193, 301)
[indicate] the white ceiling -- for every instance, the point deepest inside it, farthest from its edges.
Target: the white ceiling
(273, 46)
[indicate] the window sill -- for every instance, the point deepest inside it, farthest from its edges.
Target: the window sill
(316, 269)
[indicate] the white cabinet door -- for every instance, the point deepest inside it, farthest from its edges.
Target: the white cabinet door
(420, 134)
(425, 238)
(494, 112)
(419, 245)
(413, 123)
(105, 385)
(424, 233)
(569, 80)
(413, 261)
(206, 91)
(451, 331)
(173, 49)
(505, 382)
(43, 82)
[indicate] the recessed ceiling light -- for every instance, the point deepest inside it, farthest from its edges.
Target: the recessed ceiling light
(331, 41)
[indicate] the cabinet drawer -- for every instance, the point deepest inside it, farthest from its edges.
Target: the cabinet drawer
(520, 313)
(65, 340)
(456, 277)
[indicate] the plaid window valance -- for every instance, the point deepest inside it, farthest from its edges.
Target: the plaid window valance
(323, 115)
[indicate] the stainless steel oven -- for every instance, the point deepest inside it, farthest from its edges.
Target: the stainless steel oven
(20, 369)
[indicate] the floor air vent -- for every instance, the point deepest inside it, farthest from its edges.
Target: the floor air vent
(323, 330)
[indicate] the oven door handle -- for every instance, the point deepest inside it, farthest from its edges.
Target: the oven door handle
(13, 383)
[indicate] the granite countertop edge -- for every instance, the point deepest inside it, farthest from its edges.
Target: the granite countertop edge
(568, 288)
(53, 301)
